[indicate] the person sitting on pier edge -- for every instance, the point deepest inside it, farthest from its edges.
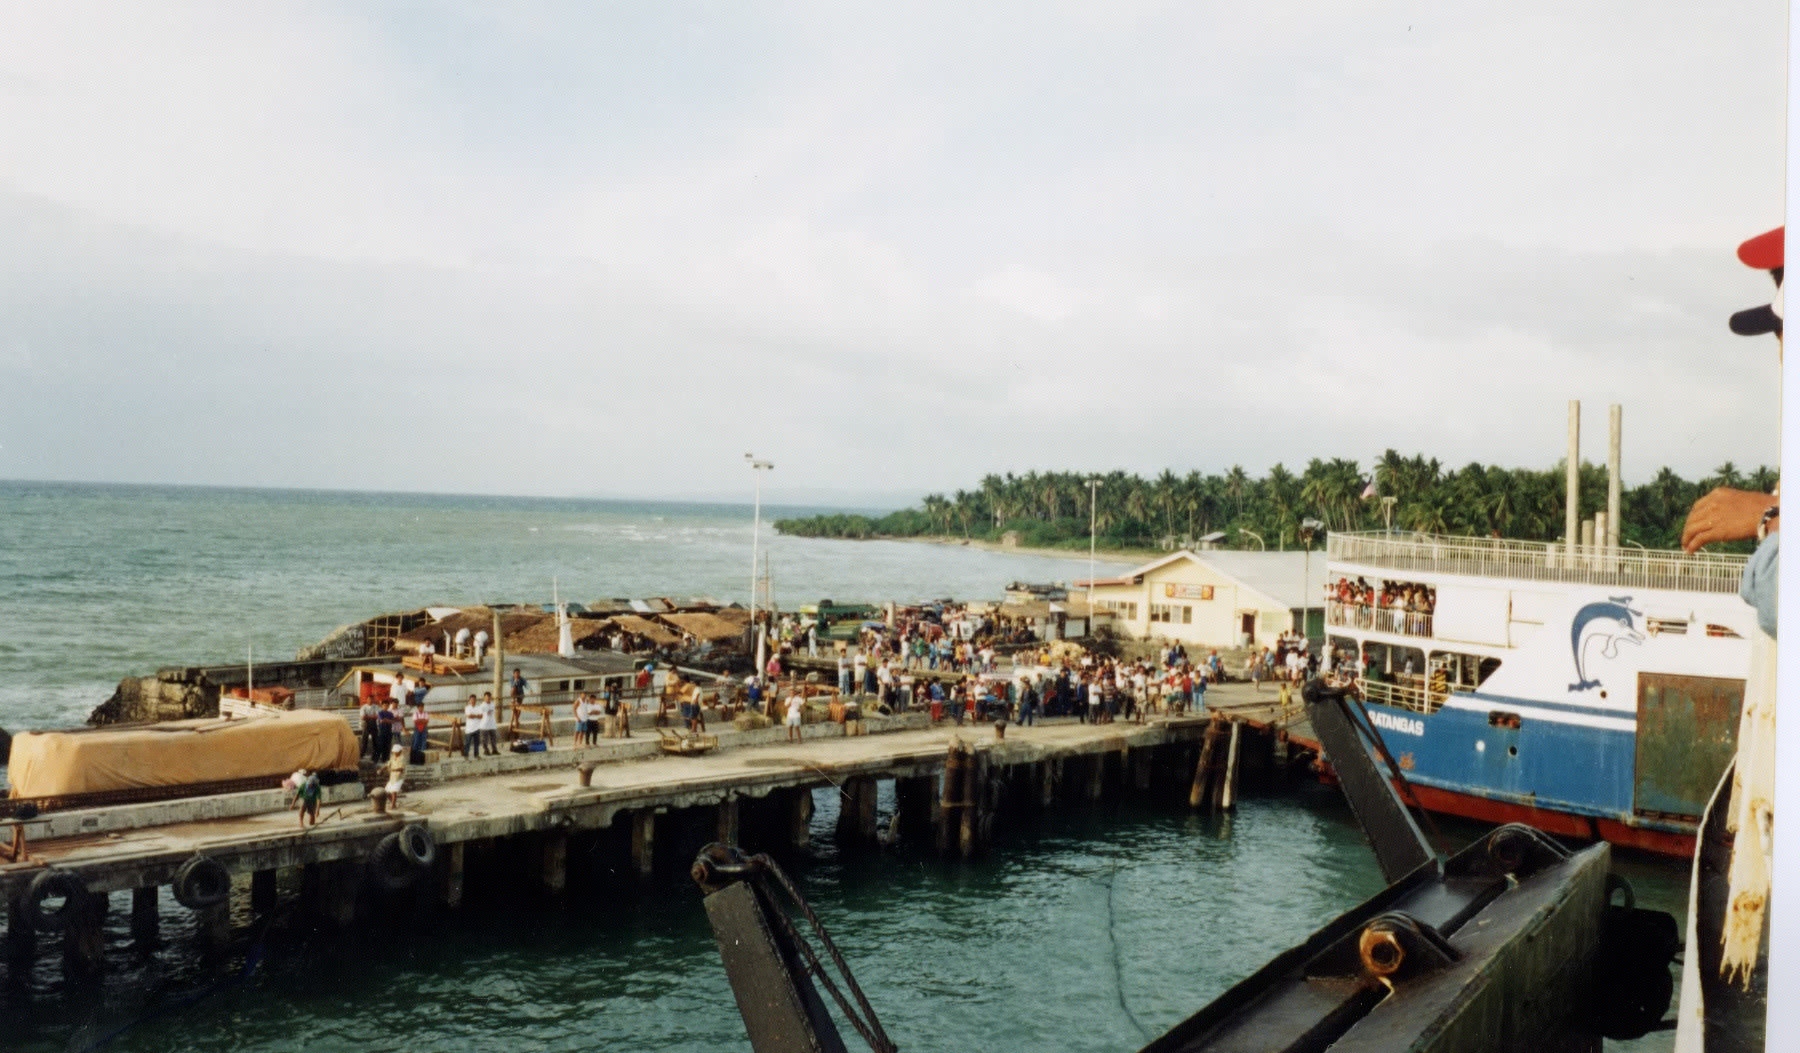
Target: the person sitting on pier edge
(472, 727)
(795, 704)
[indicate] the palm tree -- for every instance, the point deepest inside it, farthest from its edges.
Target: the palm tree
(1237, 485)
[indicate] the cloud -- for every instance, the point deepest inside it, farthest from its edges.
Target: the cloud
(570, 249)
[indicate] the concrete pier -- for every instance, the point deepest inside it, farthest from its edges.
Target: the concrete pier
(486, 822)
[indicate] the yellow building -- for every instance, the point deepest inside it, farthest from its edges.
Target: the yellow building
(1217, 598)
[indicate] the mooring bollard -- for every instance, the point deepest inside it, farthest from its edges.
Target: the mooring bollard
(380, 796)
(586, 771)
(999, 729)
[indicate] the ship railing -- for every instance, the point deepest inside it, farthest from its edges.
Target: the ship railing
(1539, 561)
(1381, 619)
(1405, 693)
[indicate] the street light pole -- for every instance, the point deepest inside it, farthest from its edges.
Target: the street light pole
(759, 467)
(1093, 518)
(1260, 547)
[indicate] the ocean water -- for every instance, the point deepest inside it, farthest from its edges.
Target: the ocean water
(1095, 928)
(99, 582)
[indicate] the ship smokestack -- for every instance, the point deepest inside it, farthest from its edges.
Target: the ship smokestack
(1572, 501)
(1615, 416)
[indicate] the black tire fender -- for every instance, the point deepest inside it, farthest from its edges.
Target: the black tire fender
(202, 882)
(389, 868)
(49, 885)
(417, 846)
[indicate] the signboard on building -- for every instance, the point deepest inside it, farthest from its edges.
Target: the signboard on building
(1188, 592)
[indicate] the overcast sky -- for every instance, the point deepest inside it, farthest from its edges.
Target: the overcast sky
(605, 249)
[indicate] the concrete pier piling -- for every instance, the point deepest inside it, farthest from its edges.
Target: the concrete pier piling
(146, 918)
(643, 843)
(262, 892)
(554, 872)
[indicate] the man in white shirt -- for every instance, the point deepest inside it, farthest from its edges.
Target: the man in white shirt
(490, 725)
(795, 703)
(472, 727)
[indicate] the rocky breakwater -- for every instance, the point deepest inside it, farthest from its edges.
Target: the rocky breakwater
(173, 694)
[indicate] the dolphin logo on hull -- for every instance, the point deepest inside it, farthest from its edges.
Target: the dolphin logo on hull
(1610, 624)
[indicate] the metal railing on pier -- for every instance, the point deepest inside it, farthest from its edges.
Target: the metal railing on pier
(1539, 561)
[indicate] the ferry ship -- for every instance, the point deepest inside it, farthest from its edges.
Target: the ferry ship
(1591, 692)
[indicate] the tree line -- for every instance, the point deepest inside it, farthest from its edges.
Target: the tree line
(1052, 509)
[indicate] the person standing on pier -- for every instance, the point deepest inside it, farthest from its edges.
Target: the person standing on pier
(396, 773)
(421, 722)
(1028, 702)
(306, 796)
(472, 727)
(843, 671)
(371, 715)
(861, 664)
(490, 724)
(795, 704)
(385, 720)
(518, 689)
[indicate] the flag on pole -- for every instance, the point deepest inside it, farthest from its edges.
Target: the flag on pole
(1370, 490)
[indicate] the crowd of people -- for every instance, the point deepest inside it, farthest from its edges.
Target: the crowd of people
(1393, 606)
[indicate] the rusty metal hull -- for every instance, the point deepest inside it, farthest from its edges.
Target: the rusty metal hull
(1522, 980)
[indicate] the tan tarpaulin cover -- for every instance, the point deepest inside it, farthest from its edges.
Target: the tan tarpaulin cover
(706, 626)
(646, 628)
(54, 763)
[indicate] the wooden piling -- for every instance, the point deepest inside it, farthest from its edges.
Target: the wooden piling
(856, 811)
(975, 791)
(1197, 793)
(952, 802)
(1231, 769)
(1096, 784)
(146, 917)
